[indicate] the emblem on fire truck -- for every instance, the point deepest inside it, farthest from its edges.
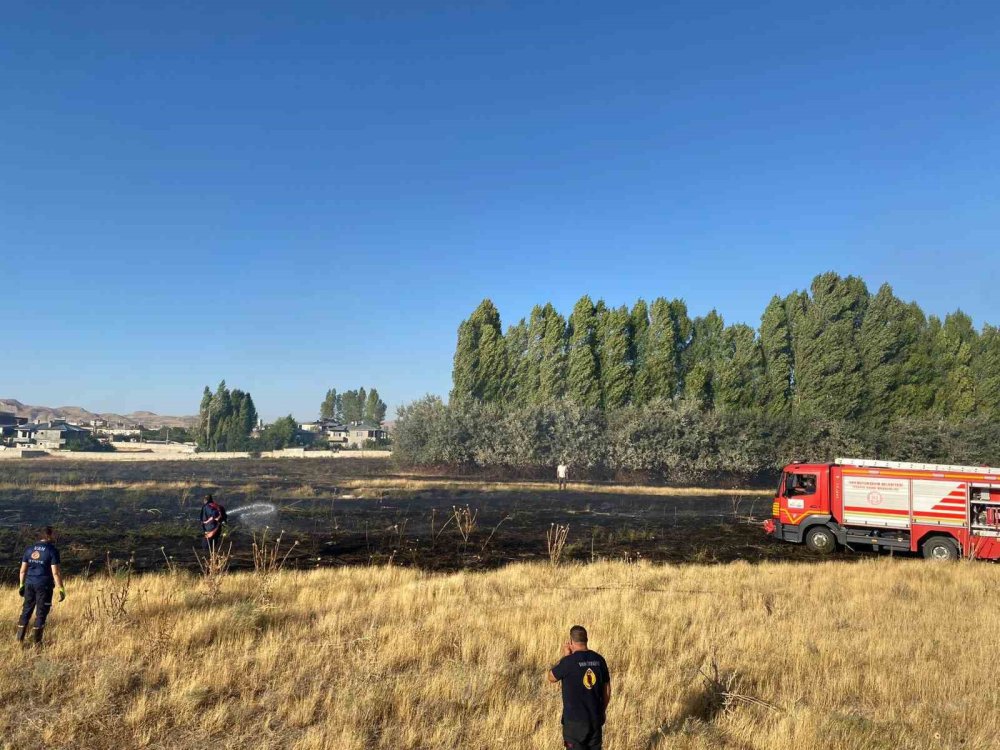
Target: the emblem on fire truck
(875, 497)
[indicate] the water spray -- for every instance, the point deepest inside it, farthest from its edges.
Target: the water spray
(254, 510)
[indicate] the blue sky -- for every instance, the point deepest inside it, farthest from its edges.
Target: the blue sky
(300, 195)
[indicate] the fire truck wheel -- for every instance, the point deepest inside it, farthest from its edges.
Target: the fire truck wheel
(820, 539)
(940, 548)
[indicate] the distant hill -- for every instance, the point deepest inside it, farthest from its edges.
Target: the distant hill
(79, 414)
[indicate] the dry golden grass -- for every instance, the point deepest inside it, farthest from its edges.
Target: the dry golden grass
(367, 486)
(61, 487)
(373, 487)
(879, 653)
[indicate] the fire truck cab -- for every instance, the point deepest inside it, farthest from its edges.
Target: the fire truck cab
(942, 511)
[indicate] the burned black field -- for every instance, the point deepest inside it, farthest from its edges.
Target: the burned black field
(359, 512)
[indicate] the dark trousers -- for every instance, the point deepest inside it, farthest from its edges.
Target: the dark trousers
(37, 598)
(212, 545)
(577, 736)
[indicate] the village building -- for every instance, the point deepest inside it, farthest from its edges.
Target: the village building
(335, 433)
(9, 422)
(120, 433)
(52, 435)
(359, 433)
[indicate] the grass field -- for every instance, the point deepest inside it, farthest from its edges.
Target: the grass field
(877, 653)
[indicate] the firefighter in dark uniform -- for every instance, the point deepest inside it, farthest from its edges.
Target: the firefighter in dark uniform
(213, 516)
(38, 581)
(586, 692)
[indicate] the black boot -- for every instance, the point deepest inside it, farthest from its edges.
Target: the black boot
(37, 633)
(20, 633)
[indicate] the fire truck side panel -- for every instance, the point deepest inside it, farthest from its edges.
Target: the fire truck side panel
(875, 501)
(984, 547)
(940, 502)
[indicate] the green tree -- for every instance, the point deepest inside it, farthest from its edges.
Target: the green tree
(552, 356)
(330, 407)
(829, 379)
(522, 373)
(683, 330)
(739, 375)
(492, 356)
(918, 374)
(987, 374)
(226, 419)
(659, 371)
(480, 366)
(221, 412)
(641, 390)
(204, 418)
(279, 434)
(248, 416)
(615, 347)
(241, 422)
(375, 408)
(776, 352)
(583, 383)
(352, 405)
(465, 368)
(884, 342)
(702, 358)
(420, 434)
(954, 345)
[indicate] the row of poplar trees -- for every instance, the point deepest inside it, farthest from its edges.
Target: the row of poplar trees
(353, 406)
(837, 350)
(226, 419)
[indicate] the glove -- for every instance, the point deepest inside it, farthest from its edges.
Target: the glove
(62, 594)
(20, 590)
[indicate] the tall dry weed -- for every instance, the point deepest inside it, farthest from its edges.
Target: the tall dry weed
(110, 602)
(555, 542)
(268, 561)
(214, 566)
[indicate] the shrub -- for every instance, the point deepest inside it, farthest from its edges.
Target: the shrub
(668, 440)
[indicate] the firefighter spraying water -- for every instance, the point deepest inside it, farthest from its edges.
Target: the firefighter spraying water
(213, 516)
(215, 520)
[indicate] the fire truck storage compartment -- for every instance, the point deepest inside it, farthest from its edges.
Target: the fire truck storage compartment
(875, 539)
(984, 509)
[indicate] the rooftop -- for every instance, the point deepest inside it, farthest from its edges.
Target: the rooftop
(64, 426)
(365, 426)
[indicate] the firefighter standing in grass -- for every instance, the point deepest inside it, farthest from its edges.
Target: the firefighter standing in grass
(586, 692)
(39, 578)
(213, 516)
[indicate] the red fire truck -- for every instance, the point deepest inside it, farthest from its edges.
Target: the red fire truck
(939, 510)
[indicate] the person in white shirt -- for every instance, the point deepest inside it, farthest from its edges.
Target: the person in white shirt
(562, 472)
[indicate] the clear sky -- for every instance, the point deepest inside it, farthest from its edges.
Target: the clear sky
(294, 196)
